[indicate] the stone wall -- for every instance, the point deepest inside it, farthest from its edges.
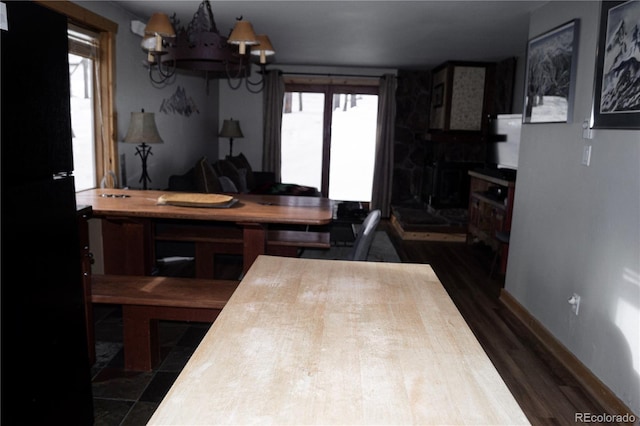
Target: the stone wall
(413, 97)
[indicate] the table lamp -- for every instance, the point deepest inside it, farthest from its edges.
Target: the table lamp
(143, 130)
(231, 129)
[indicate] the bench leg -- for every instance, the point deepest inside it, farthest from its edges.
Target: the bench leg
(205, 260)
(255, 243)
(140, 338)
(206, 256)
(140, 331)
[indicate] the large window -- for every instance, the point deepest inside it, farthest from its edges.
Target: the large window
(328, 139)
(82, 58)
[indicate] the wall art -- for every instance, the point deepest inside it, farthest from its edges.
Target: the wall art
(550, 75)
(616, 103)
(179, 103)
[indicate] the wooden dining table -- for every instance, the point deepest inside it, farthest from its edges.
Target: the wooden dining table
(308, 341)
(129, 218)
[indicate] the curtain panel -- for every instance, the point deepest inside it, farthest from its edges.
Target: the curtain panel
(273, 99)
(383, 169)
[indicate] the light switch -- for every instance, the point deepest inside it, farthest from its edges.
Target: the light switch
(586, 155)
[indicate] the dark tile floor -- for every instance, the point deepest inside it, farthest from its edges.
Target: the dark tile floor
(130, 398)
(123, 397)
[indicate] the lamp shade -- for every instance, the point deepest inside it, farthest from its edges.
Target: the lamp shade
(242, 35)
(231, 129)
(159, 24)
(263, 49)
(158, 27)
(142, 128)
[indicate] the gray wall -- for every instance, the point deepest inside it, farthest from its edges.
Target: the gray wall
(577, 228)
(186, 138)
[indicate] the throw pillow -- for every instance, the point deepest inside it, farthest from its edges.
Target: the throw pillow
(242, 176)
(241, 162)
(206, 178)
(227, 184)
(226, 168)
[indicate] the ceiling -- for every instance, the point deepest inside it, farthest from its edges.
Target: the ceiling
(372, 34)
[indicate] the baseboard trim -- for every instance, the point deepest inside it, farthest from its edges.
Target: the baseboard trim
(592, 385)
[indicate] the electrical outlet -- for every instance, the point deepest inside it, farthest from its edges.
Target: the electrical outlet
(586, 155)
(574, 301)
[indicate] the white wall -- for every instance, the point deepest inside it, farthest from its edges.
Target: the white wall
(186, 138)
(577, 228)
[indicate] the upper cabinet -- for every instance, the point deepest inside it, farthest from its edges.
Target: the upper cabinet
(460, 101)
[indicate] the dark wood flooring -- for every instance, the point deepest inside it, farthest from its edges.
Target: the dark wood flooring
(547, 393)
(545, 390)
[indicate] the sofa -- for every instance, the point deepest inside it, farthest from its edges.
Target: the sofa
(233, 175)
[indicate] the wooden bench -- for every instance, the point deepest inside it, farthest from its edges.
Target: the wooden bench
(212, 240)
(147, 299)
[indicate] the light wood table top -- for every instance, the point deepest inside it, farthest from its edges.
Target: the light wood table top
(306, 341)
(283, 209)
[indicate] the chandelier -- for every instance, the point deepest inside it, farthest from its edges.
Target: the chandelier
(200, 47)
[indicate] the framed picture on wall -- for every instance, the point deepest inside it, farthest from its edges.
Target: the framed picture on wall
(550, 75)
(616, 103)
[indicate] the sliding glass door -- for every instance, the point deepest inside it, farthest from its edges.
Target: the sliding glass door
(302, 138)
(328, 139)
(353, 143)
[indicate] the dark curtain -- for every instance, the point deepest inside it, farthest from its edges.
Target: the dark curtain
(272, 98)
(383, 169)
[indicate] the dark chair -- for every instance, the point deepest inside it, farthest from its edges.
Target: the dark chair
(365, 235)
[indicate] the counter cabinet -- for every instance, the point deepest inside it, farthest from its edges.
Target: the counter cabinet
(490, 209)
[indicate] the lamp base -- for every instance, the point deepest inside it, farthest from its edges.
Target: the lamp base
(230, 147)
(144, 150)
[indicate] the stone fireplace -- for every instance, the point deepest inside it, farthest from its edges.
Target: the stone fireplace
(433, 173)
(446, 184)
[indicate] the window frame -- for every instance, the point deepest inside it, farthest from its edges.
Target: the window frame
(86, 46)
(105, 125)
(330, 86)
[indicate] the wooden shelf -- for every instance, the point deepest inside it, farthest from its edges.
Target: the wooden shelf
(493, 179)
(489, 215)
(488, 200)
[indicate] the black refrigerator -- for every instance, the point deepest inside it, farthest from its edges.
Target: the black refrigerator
(44, 358)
